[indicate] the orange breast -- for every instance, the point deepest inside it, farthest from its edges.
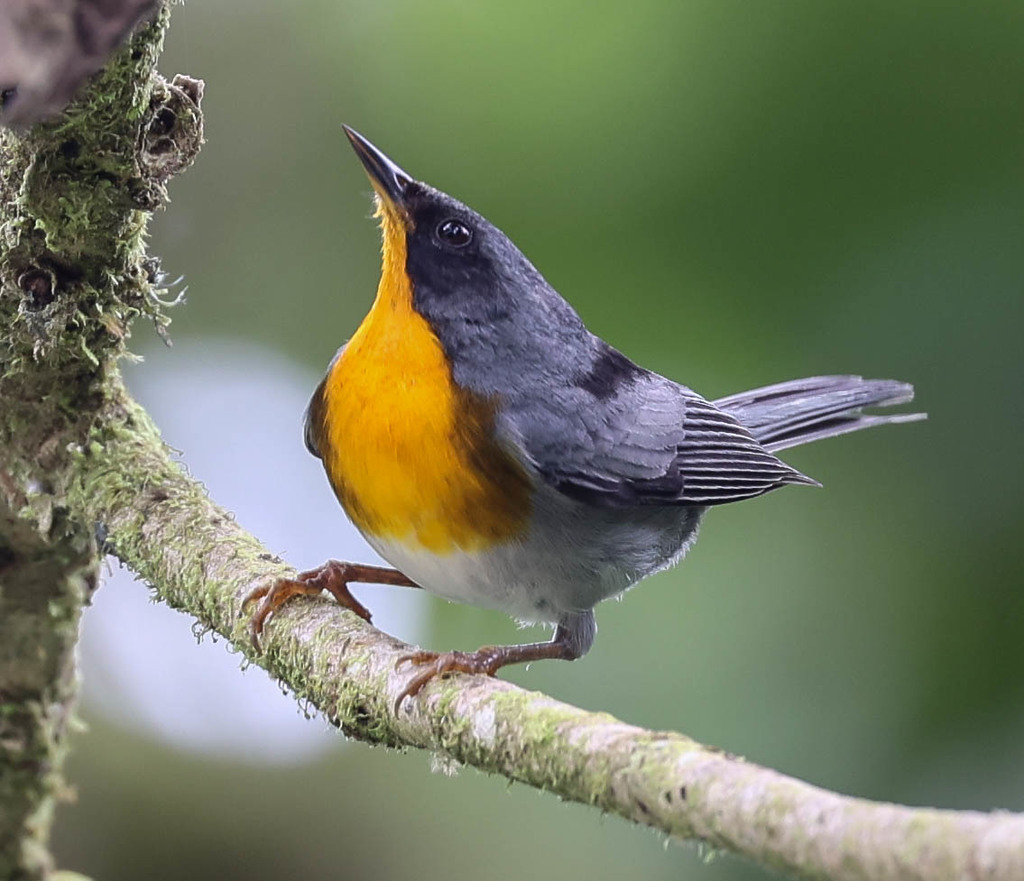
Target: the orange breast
(410, 455)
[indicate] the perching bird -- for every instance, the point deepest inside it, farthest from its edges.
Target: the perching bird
(498, 453)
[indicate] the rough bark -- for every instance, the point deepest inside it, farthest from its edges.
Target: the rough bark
(162, 525)
(75, 195)
(83, 471)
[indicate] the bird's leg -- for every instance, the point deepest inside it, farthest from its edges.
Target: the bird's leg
(573, 637)
(334, 577)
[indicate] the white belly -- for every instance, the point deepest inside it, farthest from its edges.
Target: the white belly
(570, 559)
(485, 578)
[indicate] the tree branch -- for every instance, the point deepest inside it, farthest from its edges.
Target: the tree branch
(74, 201)
(80, 462)
(162, 525)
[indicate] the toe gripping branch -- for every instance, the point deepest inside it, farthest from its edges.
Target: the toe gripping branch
(334, 577)
(572, 639)
(573, 636)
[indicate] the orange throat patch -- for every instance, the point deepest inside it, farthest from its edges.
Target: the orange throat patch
(410, 455)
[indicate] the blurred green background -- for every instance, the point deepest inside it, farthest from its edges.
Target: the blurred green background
(734, 193)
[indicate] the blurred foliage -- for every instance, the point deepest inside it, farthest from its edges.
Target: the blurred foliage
(734, 194)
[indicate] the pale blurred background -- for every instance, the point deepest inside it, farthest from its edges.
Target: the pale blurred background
(734, 193)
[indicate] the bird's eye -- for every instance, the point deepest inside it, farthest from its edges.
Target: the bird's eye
(454, 233)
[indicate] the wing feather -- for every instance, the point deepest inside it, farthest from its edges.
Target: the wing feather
(314, 421)
(648, 441)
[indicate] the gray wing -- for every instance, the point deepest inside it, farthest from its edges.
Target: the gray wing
(316, 412)
(637, 438)
(313, 421)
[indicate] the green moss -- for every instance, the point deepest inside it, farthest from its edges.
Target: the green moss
(73, 275)
(67, 190)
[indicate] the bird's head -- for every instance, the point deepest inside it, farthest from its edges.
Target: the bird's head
(479, 292)
(450, 252)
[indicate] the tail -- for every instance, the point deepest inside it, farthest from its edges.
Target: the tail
(805, 410)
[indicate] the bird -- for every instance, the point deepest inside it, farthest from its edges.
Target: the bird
(495, 452)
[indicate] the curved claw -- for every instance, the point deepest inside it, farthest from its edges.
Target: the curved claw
(333, 577)
(486, 661)
(568, 644)
(256, 593)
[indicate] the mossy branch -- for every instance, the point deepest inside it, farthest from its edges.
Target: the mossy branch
(81, 464)
(162, 525)
(75, 196)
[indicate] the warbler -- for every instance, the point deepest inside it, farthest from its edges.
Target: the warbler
(496, 452)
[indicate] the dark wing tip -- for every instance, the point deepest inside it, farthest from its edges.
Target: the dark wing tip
(798, 479)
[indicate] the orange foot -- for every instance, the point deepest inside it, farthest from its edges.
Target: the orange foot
(334, 577)
(487, 660)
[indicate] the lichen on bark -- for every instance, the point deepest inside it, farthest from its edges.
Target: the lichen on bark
(83, 470)
(75, 197)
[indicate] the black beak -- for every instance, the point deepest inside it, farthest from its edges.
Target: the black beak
(388, 179)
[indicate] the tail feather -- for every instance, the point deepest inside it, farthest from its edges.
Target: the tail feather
(803, 410)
